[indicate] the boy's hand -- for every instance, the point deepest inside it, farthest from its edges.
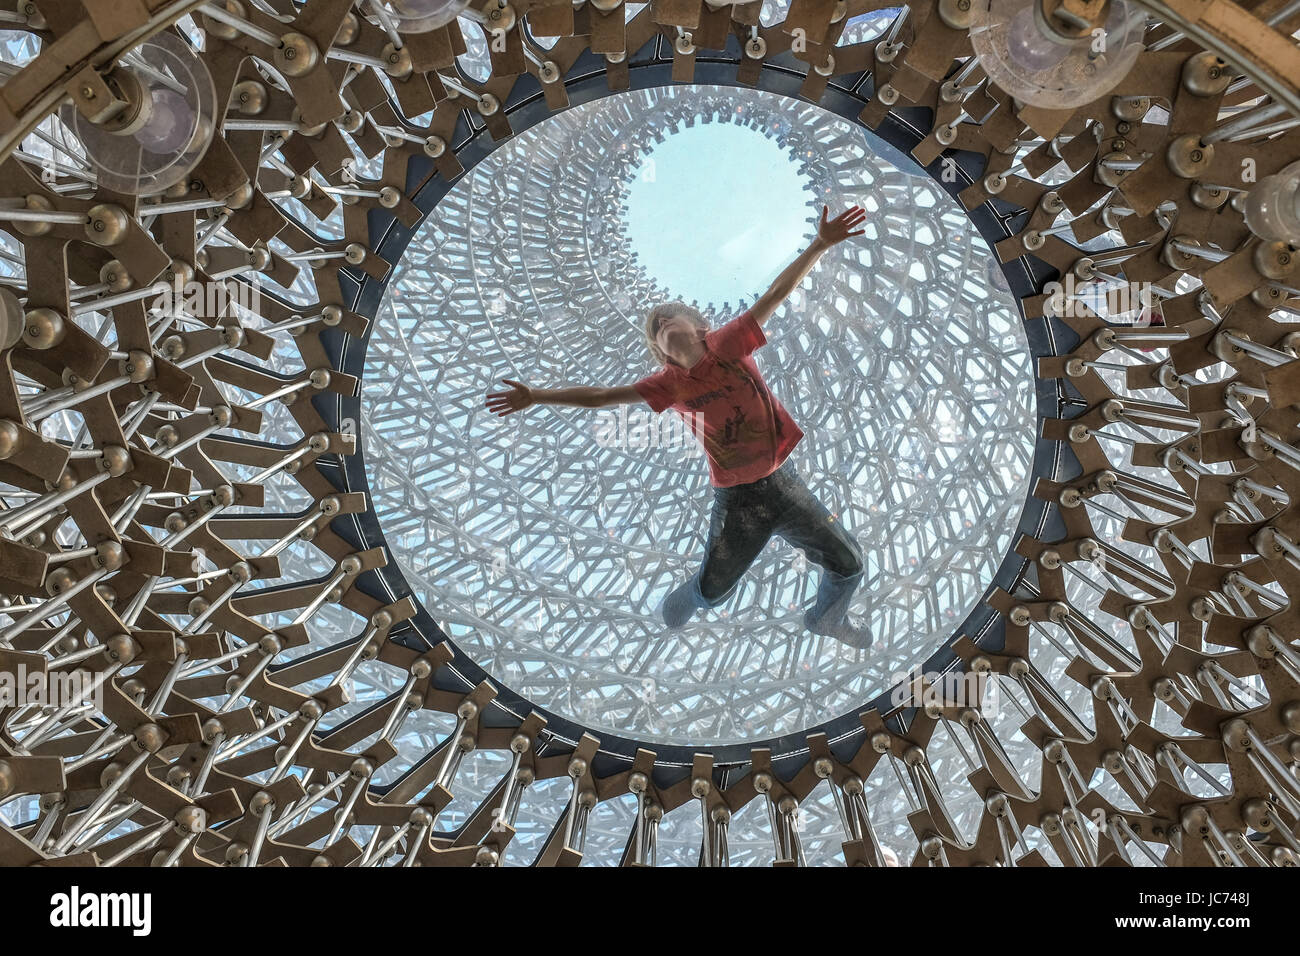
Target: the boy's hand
(838, 229)
(503, 403)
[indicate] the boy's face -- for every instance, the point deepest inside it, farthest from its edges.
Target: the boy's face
(675, 331)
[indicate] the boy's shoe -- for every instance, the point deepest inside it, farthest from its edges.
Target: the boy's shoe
(676, 608)
(846, 632)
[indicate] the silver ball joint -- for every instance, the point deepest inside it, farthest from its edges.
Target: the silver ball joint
(1259, 641)
(138, 365)
(110, 774)
(177, 777)
(172, 347)
(421, 817)
(116, 460)
(109, 555)
(191, 820)
(167, 436)
(120, 649)
(1088, 549)
(262, 802)
(10, 437)
(1195, 820)
(150, 737)
(1236, 735)
(235, 853)
(107, 224)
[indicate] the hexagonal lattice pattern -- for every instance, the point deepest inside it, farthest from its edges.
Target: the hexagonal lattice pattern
(543, 543)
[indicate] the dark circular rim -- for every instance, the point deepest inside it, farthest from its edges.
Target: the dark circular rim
(650, 67)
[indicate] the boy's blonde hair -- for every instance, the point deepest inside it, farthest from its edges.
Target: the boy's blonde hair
(662, 311)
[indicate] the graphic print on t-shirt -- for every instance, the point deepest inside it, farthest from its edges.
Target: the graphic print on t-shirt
(731, 428)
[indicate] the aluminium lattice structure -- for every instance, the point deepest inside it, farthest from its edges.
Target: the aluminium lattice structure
(244, 656)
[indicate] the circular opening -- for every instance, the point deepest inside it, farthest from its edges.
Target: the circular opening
(715, 211)
(542, 543)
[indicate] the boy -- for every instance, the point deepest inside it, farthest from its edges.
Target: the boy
(710, 379)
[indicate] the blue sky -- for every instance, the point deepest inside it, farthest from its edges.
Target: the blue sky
(716, 211)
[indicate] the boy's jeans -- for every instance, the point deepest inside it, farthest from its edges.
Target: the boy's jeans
(744, 519)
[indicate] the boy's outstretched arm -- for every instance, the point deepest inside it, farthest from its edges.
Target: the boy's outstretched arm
(520, 396)
(828, 234)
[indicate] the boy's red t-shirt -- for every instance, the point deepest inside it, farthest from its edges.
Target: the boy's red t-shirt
(746, 433)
